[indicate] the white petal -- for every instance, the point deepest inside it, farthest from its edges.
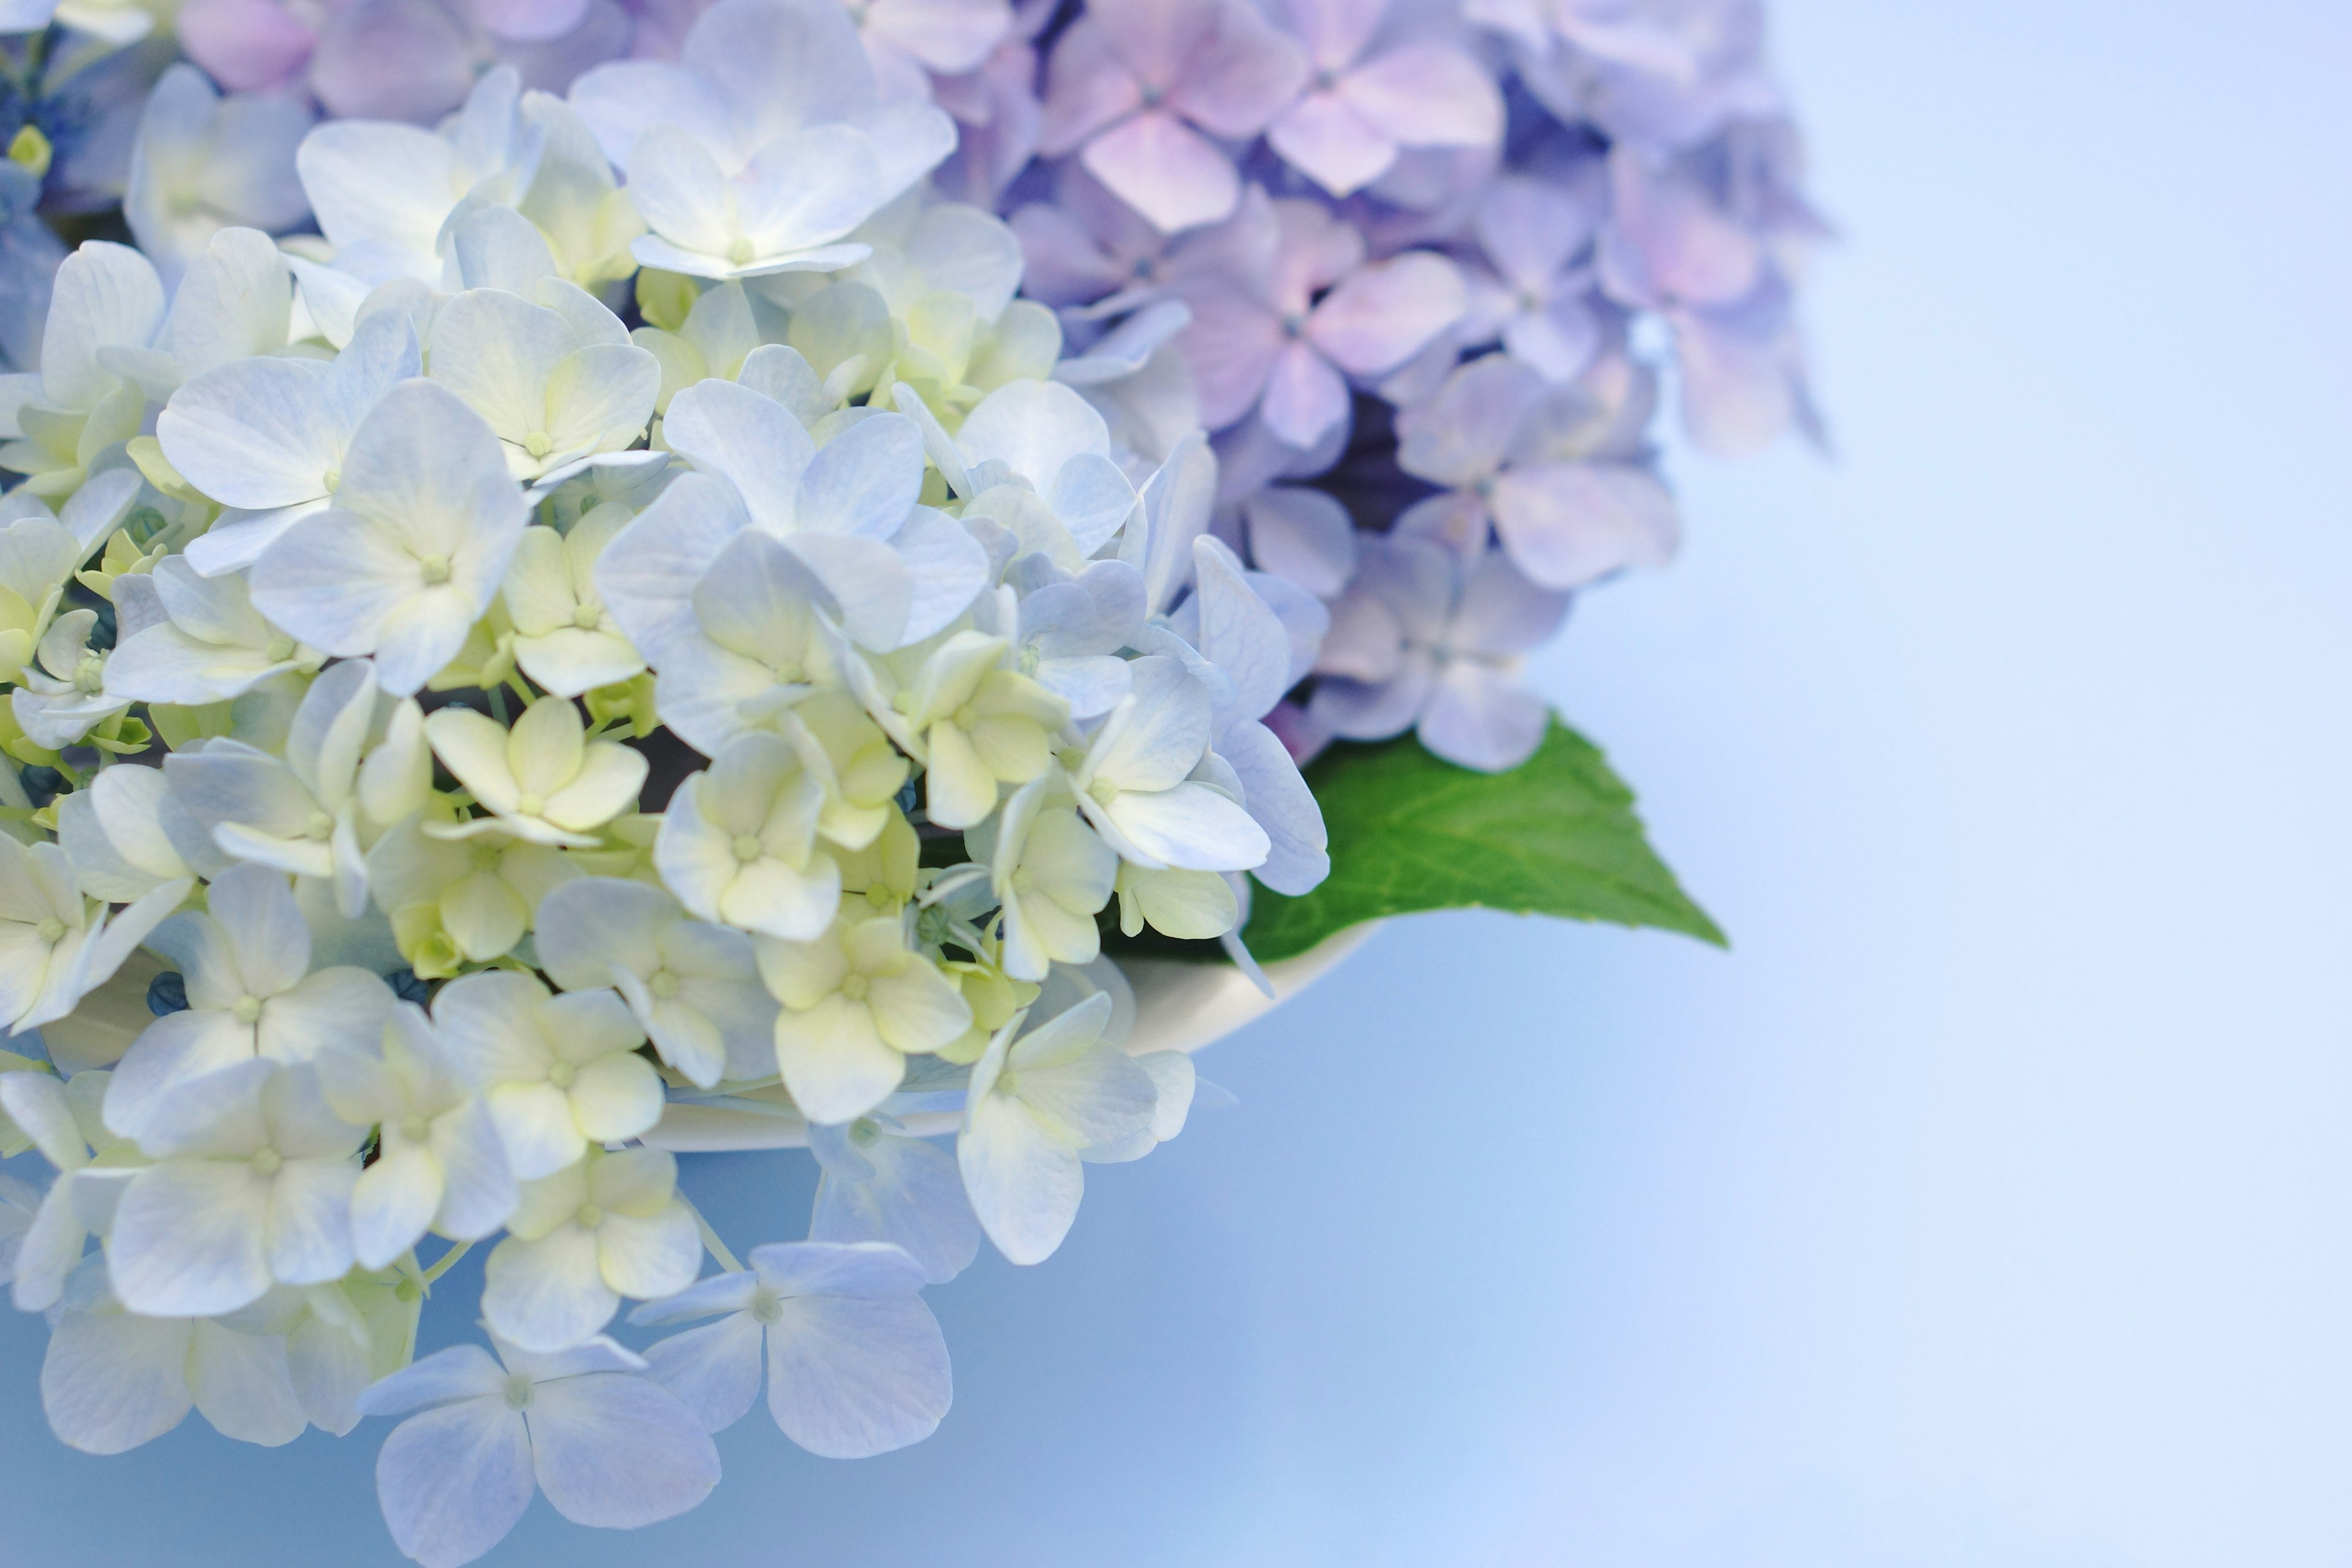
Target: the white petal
(190, 1240)
(850, 1377)
(714, 1369)
(546, 1294)
(310, 1221)
(1023, 1185)
(832, 1060)
(913, 1198)
(1190, 825)
(453, 1481)
(618, 1450)
(243, 1386)
(111, 1381)
(393, 1202)
(461, 1372)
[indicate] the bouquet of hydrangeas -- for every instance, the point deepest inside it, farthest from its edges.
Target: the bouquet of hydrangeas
(765, 578)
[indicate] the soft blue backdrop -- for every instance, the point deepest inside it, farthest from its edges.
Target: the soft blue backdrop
(1987, 1205)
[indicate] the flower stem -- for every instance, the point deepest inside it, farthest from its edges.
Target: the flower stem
(445, 1262)
(717, 1247)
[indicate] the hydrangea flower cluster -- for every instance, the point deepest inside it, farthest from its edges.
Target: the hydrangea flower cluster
(697, 599)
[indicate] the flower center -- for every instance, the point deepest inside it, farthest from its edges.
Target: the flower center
(1008, 1082)
(1022, 881)
(435, 570)
(487, 856)
(529, 804)
(747, 848)
(878, 895)
(740, 251)
(662, 983)
(767, 1309)
(266, 1162)
(1103, 791)
(537, 444)
(321, 826)
(561, 1075)
(588, 617)
(332, 480)
(279, 650)
(967, 717)
(864, 1134)
(89, 675)
(415, 1129)
(518, 1393)
(588, 1216)
(854, 986)
(51, 930)
(245, 1009)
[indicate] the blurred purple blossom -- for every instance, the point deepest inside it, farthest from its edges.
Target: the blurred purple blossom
(1138, 88)
(1297, 309)
(1370, 97)
(1430, 640)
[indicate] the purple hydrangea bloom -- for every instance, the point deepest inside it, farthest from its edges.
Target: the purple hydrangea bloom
(1429, 640)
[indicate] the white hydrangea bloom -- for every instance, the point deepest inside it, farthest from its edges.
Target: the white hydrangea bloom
(856, 1362)
(1034, 455)
(268, 437)
(203, 162)
(764, 146)
(693, 986)
(1052, 874)
(423, 522)
(542, 780)
(61, 694)
(738, 841)
(555, 376)
(856, 1002)
(1135, 783)
(734, 638)
(62, 1120)
(114, 1379)
(353, 763)
(878, 1184)
(581, 1239)
(483, 889)
(440, 1163)
(252, 1185)
(557, 1073)
(74, 408)
(57, 945)
(1036, 1103)
(974, 725)
(244, 962)
(565, 639)
(608, 1447)
(127, 835)
(213, 646)
(383, 193)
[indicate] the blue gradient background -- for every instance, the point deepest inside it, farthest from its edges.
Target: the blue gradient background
(1986, 1205)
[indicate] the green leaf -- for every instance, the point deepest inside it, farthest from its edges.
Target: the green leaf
(1556, 835)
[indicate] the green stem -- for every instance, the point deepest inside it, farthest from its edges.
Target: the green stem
(717, 1247)
(443, 1264)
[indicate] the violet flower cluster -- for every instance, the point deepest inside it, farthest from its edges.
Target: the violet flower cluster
(1419, 264)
